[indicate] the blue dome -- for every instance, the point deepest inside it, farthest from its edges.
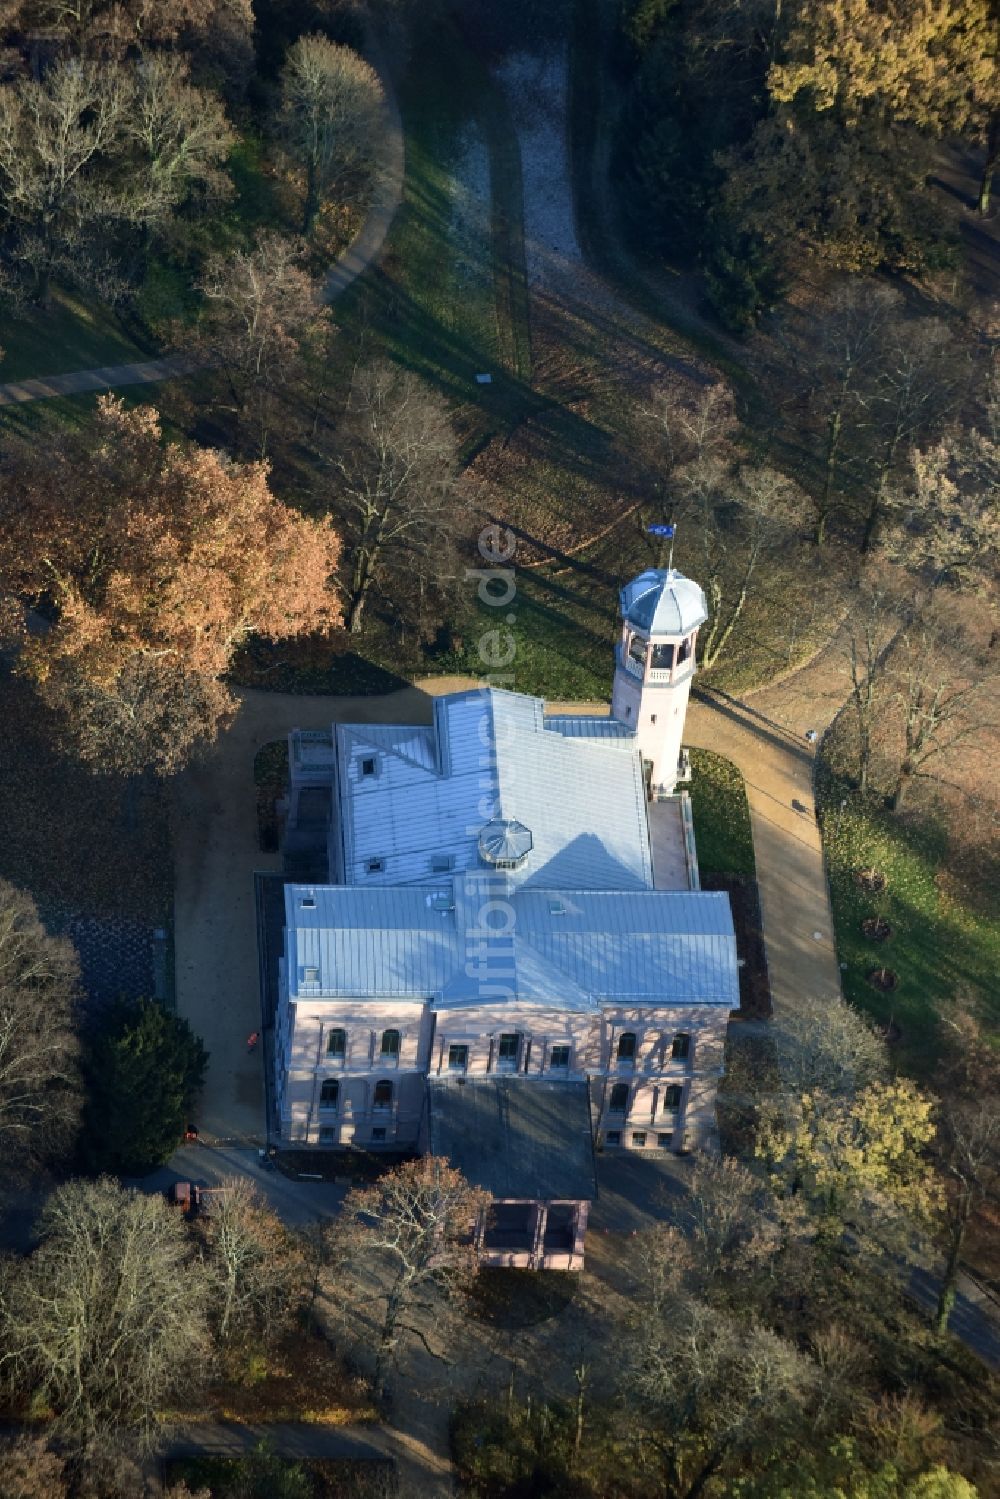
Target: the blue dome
(664, 603)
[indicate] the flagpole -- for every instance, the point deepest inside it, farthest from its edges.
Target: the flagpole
(670, 559)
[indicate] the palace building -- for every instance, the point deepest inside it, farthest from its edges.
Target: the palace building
(511, 961)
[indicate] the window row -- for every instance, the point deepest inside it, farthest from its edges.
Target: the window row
(664, 1139)
(618, 1102)
(680, 1047)
(329, 1094)
(336, 1045)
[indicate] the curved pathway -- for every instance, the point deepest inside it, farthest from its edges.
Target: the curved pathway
(349, 265)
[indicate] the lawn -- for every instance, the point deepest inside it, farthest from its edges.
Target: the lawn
(721, 816)
(449, 298)
(74, 333)
(943, 944)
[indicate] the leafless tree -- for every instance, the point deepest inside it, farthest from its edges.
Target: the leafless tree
(256, 1266)
(712, 1388)
(108, 1317)
(395, 458)
(915, 384)
(873, 628)
(941, 680)
(331, 114)
(969, 1140)
(738, 525)
(826, 1047)
(264, 322)
(944, 515)
(58, 137)
(413, 1228)
(39, 1077)
(179, 136)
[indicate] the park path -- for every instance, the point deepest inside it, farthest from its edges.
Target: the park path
(363, 251)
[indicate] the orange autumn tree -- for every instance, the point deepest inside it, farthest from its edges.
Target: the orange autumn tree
(149, 563)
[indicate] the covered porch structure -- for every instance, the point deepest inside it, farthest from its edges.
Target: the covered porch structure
(529, 1143)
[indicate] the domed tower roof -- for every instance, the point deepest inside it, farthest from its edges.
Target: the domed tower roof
(659, 602)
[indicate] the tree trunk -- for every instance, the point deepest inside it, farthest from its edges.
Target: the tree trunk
(903, 781)
(311, 206)
(949, 1280)
(383, 1358)
(989, 167)
(361, 582)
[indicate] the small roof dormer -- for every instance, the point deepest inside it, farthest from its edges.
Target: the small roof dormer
(663, 602)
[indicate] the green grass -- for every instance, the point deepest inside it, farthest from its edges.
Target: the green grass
(943, 945)
(449, 298)
(74, 333)
(721, 816)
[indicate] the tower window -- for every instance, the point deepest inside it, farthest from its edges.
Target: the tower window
(652, 718)
(663, 657)
(684, 650)
(637, 650)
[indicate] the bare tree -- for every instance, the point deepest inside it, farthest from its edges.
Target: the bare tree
(713, 1389)
(945, 513)
(331, 111)
(413, 1228)
(58, 136)
(873, 629)
(264, 323)
(915, 385)
(180, 137)
(256, 1265)
(969, 1139)
(39, 1076)
(940, 683)
(108, 1317)
(827, 1048)
(395, 461)
(738, 524)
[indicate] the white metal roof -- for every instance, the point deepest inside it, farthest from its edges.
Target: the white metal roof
(662, 602)
(491, 755)
(571, 950)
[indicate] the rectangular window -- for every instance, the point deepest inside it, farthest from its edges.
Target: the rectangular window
(613, 1137)
(681, 1048)
(665, 1140)
(458, 1058)
(375, 866)
(559, 1058)
(639, 1137)
(328, 1135)
(336, 1045)
(441, 863)
(378, 1135)
(507, 1052)
(369, 765)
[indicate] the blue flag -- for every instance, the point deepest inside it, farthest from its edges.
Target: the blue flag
(660, 530)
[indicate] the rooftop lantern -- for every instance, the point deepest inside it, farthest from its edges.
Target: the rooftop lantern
(504, 843)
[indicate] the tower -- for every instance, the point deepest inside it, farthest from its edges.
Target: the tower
(654, 666)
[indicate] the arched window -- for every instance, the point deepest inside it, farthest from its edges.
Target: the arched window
(626, 1046)
(390, 1044)
(383, 1095)
(681, 1047)
(336, 1045)
(637, 650)
(329, 1094)
(619, 1099)
(672, 1099)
